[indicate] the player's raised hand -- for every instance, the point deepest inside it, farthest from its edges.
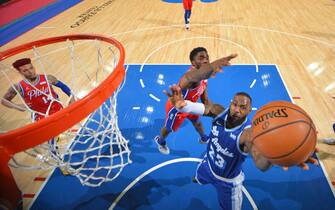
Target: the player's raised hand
(304, 165)
(176, 97)
(219, 63)
(226, 60)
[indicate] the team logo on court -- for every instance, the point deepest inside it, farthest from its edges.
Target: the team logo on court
(84, 17)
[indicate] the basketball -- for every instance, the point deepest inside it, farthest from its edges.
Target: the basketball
(283, 133)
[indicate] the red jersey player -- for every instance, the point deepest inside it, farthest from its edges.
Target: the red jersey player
(191, 91)
(36, 91)
(188, 10)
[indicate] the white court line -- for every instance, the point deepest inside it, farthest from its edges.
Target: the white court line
(254, 108)
(136, 108)
(321, 163)
(115, 202)
(154, 97)
(170, 27)
(37, 194)
(326, 175)
(127, 67)
(200, 37)
(190, 38)
(252, 84)
(142, 84)
(281, 78)
(234, 27)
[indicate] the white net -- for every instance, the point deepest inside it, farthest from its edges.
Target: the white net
(94, 150)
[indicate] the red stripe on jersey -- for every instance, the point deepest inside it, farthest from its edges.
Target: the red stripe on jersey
(195, 93)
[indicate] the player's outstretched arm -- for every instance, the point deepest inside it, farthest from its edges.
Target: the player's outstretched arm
(205, 72)
(186, 106)
(260, 161)
(246, 145)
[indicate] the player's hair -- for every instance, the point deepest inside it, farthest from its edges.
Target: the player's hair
(244, 94)
(21, 62)
(195, 51)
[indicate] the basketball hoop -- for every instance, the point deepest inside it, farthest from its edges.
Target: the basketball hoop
(89, 125)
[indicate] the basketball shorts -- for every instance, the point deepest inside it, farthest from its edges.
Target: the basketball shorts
(55, 107)
(229, 191)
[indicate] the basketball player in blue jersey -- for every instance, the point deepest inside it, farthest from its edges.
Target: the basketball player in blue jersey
(230, 141)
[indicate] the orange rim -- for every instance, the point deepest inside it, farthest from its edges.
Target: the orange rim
(36, 133)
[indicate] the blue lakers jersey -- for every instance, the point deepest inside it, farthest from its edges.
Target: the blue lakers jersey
(224, 155)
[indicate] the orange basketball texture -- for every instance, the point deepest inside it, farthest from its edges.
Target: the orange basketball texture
(284, 133)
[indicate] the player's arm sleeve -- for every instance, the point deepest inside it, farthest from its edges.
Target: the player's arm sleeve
(211, 110)
(193, 108)
(63, 87)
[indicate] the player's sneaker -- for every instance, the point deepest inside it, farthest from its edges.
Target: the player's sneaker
(329, 141)
(164, 149)
(203, 140)
(187, 26)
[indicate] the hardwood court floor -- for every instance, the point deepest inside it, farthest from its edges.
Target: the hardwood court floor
(297, 36)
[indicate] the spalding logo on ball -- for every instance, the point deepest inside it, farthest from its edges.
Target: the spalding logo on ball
(284, 133)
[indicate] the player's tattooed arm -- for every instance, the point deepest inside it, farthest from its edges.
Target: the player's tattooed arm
(8, 97)
(52, 79)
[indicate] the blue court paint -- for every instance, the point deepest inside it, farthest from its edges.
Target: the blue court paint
(24, 24)
(170, 187)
